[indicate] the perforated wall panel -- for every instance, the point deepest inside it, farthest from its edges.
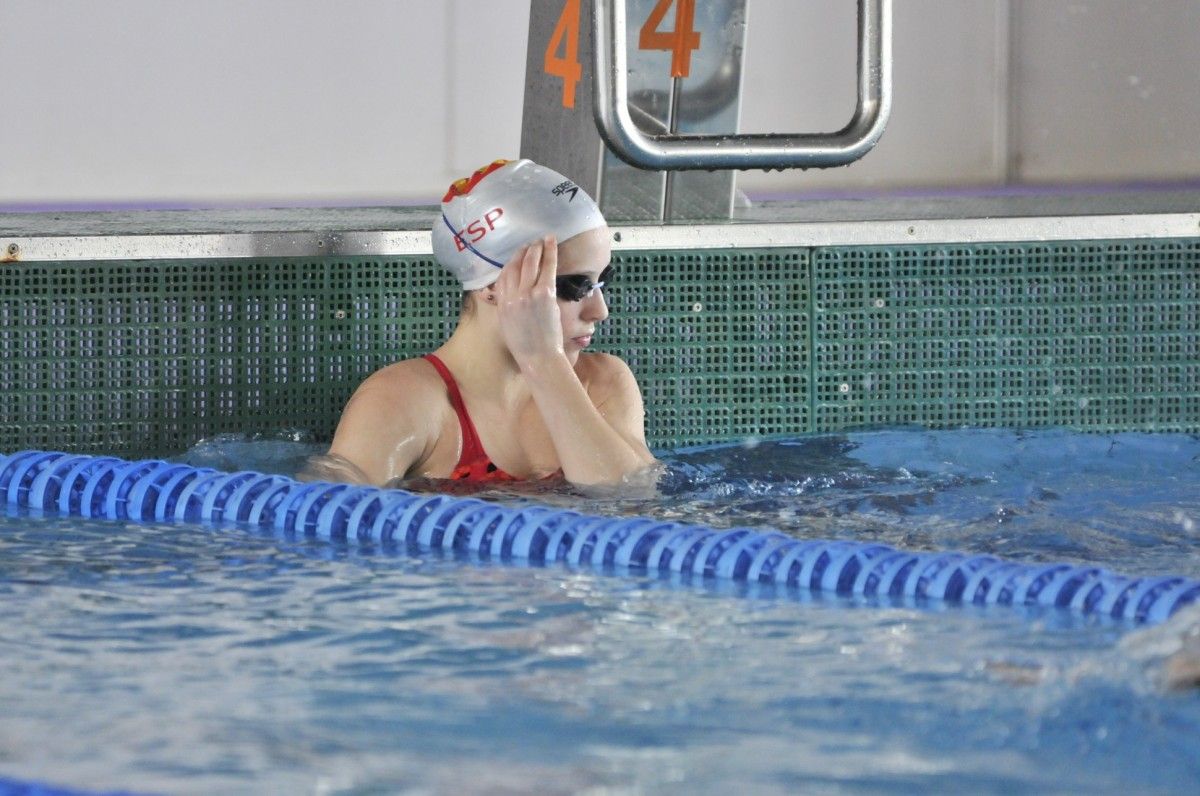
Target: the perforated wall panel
(149, 357)
(1100, 336)
(146, 358)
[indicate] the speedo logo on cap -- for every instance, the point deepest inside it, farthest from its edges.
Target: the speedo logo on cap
(477, 229)
(565, 187)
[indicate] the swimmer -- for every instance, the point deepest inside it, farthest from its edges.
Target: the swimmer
(513, 394)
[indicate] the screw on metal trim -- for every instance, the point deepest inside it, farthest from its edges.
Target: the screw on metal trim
(13, 249)
(340, 314)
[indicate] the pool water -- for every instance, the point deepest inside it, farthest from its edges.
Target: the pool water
(190, 659)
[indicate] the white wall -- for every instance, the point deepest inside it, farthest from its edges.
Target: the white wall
(945, 74)
(193, 102)
(255, 101)
(1108, 89)
(989, 91)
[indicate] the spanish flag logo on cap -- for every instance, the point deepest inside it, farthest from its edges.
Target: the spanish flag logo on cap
(463, 187)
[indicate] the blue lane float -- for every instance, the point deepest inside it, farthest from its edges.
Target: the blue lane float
(154, 490)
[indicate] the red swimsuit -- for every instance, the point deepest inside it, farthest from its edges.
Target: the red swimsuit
(474, 464)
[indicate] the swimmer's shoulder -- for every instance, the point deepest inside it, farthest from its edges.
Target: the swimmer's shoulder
(604, 374)
(392, 421)
(614, 391)
(405, 390)
(416, 372)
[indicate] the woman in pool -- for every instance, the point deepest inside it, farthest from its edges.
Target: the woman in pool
(512, 395)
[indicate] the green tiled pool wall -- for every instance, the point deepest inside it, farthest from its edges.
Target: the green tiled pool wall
(146, 358)
(718, 340)
(1093, 335)
(149, 357)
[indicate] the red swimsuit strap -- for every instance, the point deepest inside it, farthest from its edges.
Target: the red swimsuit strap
(472, 448)
(473, 464)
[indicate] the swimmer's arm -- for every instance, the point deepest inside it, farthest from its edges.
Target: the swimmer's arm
(619, 401)
(376, 440)
(592, 448)
(602, 443)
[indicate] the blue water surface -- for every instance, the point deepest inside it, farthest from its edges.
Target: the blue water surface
(190, 659)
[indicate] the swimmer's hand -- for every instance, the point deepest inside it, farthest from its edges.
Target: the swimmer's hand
(527, 304)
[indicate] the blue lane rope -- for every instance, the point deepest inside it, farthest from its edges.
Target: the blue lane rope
(153, 490)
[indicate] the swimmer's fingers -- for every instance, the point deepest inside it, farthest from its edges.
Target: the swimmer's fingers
(528, 312)
(530, 266)
(549, 263)
(510, 274)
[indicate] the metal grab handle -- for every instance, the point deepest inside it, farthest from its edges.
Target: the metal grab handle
(750, 151)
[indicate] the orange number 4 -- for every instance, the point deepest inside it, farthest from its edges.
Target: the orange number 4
(679, 42)
(566, 37)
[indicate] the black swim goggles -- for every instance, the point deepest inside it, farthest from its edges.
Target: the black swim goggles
(577, 287)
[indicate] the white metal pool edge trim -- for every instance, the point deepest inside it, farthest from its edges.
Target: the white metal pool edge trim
(893, 233)
(625, 238)
(214, 246)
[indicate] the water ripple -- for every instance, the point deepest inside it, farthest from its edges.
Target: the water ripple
(183, 659)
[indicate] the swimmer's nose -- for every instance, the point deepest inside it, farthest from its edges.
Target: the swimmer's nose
(595, 308)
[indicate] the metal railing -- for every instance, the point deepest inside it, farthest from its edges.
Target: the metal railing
(669, 151)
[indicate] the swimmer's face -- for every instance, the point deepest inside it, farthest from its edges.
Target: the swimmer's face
(587, 254)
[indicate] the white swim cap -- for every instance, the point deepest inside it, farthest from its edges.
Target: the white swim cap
(505, 205)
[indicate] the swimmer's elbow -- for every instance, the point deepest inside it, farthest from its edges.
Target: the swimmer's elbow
(639, 481)
(335, 468)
